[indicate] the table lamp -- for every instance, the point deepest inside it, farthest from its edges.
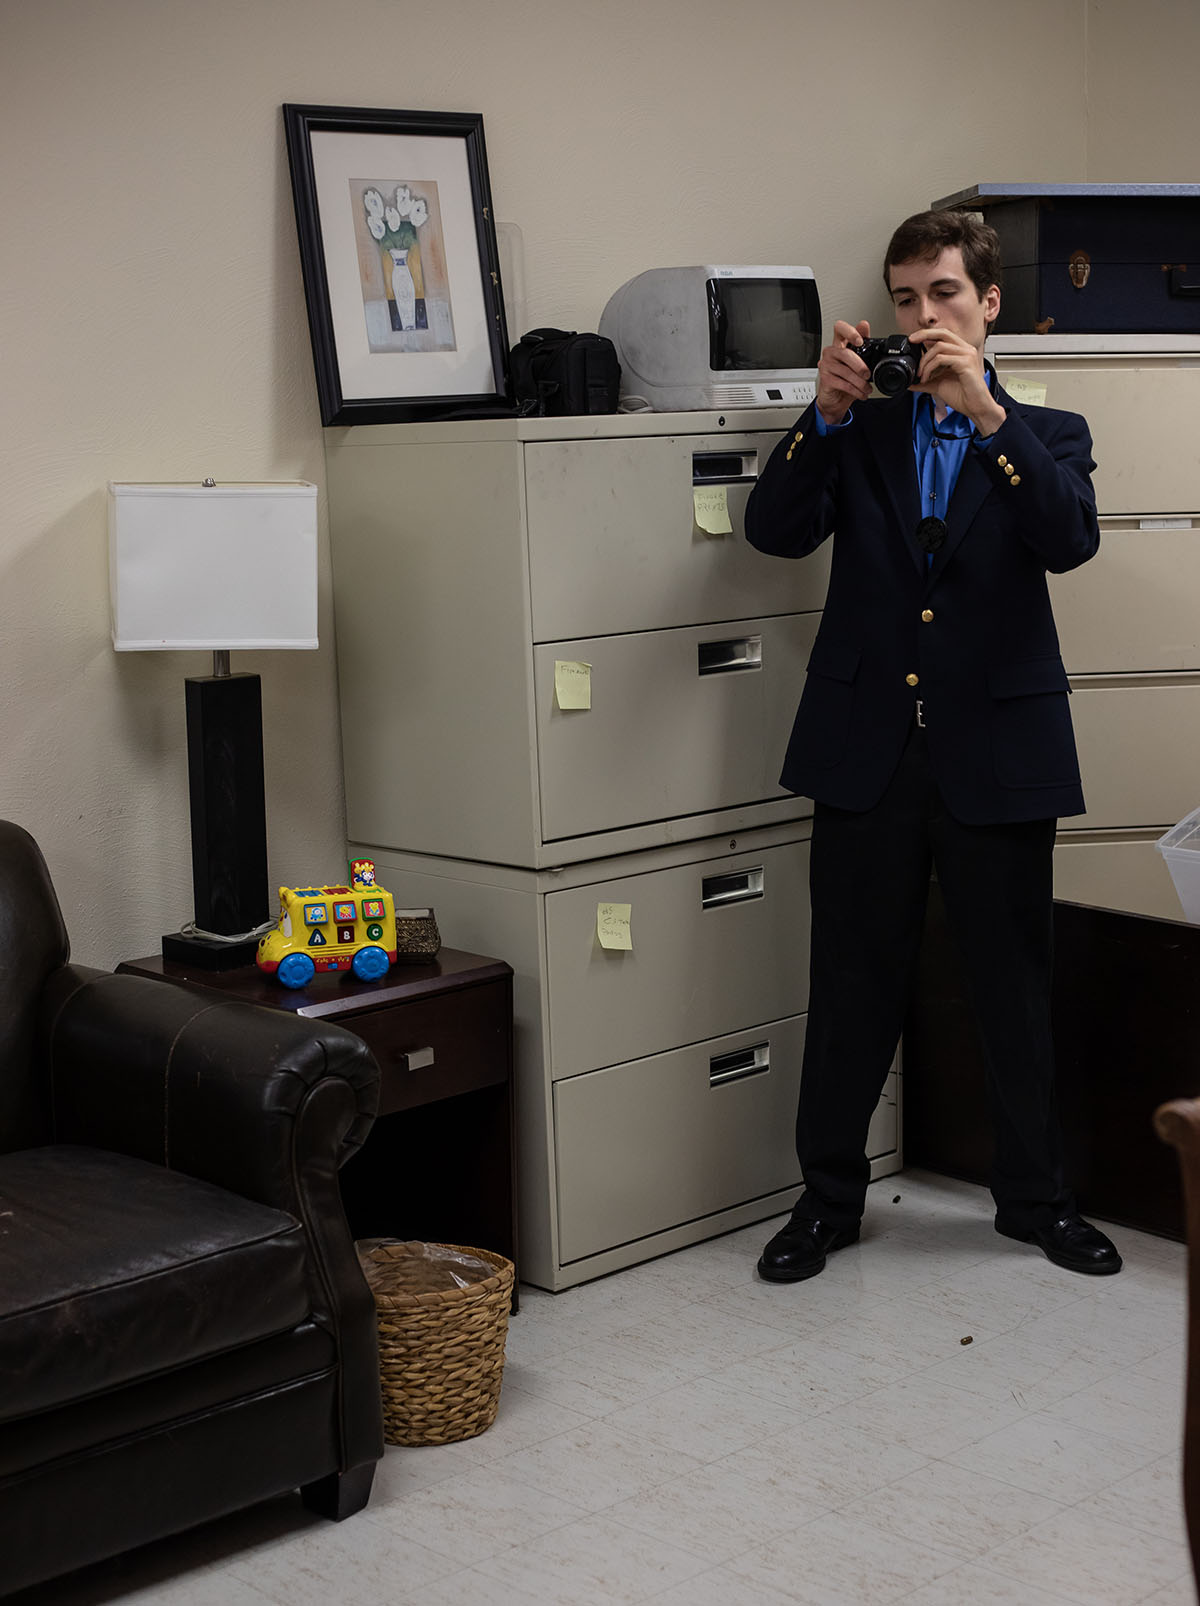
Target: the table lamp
(216, 567)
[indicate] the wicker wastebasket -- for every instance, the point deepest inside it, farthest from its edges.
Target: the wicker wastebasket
(442, 1311)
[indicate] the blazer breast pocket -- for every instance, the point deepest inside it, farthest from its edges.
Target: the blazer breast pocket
(826, 706)
(1033, 743)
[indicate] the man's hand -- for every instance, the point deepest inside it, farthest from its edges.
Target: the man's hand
(842, 378)
(952, 372)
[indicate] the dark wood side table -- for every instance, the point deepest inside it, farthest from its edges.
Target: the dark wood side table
(439, 1162)
(1126, 1039)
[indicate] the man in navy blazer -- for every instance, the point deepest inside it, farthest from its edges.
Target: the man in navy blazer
(934, 728)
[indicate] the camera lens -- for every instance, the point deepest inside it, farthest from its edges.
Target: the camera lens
(894, 373)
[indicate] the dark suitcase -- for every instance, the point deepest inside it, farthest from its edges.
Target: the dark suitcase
(1093, 258)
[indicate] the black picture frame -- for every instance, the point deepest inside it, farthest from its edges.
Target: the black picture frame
(426, 339)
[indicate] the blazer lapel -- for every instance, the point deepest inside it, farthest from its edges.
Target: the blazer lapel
(971, 487)
(887, 431)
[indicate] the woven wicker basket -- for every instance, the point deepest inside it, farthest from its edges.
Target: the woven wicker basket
(441, 1350)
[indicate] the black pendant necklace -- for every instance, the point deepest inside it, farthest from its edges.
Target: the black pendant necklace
(931, 532)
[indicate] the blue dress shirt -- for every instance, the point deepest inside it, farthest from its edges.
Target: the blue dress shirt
(939, 449)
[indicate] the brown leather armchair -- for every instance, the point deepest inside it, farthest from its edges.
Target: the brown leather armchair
(184, 1328)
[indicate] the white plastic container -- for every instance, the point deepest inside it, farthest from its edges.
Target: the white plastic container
(1181, 849)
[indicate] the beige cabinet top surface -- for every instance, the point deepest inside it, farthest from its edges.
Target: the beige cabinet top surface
(595, 426)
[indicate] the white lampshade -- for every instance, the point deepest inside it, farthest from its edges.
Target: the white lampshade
(213, 566)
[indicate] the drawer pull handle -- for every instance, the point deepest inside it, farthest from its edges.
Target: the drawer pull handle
(743, 1062)
(724, 468)
(727, 657)
(416, 1059)
(738, 886)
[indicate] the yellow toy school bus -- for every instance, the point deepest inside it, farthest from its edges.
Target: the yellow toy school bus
(332, 928)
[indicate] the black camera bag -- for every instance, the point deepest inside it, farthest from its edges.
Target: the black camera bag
(556, 371)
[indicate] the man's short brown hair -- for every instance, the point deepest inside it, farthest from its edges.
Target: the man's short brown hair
(924, 236)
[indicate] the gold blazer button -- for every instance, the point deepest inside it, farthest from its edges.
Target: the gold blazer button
(912, 680)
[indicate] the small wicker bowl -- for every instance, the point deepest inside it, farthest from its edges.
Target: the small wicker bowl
(441, 1350)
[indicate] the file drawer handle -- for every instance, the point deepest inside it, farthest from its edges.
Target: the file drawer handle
(727, 657)
(724, 468)
(416, 1059)
(743, 1062)
(736, 886)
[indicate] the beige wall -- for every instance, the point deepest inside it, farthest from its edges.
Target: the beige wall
(1143, 112)
(152, 318)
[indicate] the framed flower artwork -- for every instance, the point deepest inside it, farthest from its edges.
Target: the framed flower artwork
(400, 265)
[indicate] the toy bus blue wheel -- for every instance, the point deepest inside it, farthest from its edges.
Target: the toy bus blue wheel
(296, 970)
(370, 963)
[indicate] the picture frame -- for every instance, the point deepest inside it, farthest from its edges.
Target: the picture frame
(400, 264)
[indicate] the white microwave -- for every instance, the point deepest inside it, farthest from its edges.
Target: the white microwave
(716, 336)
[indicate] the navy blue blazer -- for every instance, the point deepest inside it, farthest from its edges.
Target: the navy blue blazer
(972, 635)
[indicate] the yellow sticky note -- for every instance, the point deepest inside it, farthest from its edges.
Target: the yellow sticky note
(572, 684)
(711, 503)
(1027, 391)
(612, 925)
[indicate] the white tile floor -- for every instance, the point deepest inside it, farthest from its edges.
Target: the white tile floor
(684, 1434)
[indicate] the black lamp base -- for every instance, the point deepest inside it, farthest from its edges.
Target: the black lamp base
(229, 820)
(199, 953)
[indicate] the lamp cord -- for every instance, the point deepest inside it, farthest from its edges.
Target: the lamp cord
(191, 929)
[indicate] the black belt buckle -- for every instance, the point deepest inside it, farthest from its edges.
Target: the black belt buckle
(920, 706)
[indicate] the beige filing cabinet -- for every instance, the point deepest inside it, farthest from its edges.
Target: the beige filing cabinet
(657, 1085)
(1129, 620)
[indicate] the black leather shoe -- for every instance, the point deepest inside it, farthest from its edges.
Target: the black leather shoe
(1073, 1243)
(799, 1250)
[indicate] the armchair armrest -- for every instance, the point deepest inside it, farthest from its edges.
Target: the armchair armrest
(240, 1095)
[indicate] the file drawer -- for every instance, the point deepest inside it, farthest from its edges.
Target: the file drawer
(1121, 870)
(728, 1140)
(717, 945)
(1137, 752)
(1141, 467)
(1132, 608)
(614, 546)
(723, 1110)
(681, 721)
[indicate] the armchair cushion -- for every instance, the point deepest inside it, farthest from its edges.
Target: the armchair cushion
(117, 1270)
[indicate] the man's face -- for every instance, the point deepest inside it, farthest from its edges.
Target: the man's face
(938, 294)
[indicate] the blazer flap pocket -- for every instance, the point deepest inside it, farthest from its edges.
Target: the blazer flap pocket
(1028, 678)
(834, 660)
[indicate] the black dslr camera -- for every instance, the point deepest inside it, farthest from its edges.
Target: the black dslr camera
(891, 361)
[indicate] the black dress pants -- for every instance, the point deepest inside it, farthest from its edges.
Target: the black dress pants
(869, 879)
